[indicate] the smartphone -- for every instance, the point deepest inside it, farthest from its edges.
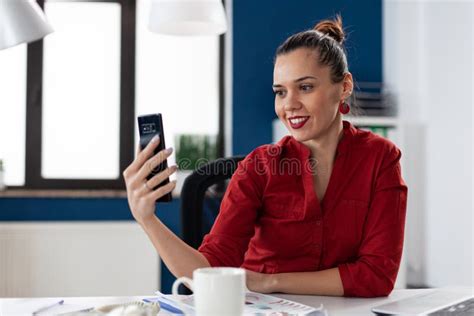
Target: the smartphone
(149, 126)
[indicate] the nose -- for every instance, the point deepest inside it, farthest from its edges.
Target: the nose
(292, 102)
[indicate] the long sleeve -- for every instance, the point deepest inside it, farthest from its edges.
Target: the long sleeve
(229, 237)
(375, 270)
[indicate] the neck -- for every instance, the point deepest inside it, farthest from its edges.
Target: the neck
(324, 147)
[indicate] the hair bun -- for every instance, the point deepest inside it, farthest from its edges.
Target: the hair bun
(333, 28)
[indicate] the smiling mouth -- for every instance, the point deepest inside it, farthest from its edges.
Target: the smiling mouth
(297, 122)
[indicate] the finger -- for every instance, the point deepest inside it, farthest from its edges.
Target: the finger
(157, 179)
(131, 168)
(162, 176)
(145, 154)
(139, 149)
(152, 163)
(161, 191)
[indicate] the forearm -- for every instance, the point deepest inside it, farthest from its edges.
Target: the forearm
(180, 258)
(325, 282)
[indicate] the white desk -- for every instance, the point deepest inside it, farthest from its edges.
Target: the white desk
(348, 306)
(336, 306)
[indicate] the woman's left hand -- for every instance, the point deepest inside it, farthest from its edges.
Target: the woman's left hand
(260, 282)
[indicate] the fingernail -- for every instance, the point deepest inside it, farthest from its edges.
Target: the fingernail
(169, 150)
(155, 139)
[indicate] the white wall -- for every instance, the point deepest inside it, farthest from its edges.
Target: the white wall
(76, 259)
(428, 63)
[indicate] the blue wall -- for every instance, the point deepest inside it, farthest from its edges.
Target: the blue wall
(261, 26)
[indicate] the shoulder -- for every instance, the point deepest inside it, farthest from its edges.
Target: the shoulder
(371, 144)
(378, 152)
(260, 161)
(254, 163)
(380, 156)
(268, 152)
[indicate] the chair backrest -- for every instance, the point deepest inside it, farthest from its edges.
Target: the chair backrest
(194, 192)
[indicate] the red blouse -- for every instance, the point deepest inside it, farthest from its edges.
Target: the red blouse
(271, 220)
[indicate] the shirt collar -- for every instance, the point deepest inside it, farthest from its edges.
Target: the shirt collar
(348, 131)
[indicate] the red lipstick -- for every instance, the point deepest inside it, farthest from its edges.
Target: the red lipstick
(297, 122)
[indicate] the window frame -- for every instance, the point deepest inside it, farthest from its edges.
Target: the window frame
(34, 86)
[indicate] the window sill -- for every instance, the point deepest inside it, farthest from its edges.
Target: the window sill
(74, 194)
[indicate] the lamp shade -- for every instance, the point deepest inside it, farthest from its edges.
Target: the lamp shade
(21, 21)
(187, 17)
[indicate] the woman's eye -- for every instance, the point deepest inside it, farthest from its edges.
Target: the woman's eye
(306, 87)
(278, 92)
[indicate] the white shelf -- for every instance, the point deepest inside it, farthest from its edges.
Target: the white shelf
(383, 121)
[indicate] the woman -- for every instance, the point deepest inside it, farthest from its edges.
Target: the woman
(322, 212)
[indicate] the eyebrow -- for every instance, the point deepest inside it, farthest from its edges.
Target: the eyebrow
(297, 80)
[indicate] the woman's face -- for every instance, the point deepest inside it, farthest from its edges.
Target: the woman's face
(306, 100)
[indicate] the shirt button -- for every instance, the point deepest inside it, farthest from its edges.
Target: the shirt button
(318, 223)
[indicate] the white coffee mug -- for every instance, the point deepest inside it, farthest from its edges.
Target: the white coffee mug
(217, 291)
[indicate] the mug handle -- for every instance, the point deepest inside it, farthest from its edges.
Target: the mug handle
(179, 281)
(174, 291)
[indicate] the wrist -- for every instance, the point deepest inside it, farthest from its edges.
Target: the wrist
(147, 222)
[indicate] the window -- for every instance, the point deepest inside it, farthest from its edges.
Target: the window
(52, 107)
(81, 91)
(76, 127)
(178, 77)
(13, 113)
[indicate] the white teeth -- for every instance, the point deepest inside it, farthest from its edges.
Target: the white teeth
(298, 120)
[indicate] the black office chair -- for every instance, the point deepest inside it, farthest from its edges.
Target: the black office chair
(201, 197)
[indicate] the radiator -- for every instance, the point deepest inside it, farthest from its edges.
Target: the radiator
(76, 259)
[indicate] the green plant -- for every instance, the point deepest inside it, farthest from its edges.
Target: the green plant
(194, 150)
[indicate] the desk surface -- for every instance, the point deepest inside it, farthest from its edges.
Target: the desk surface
(336, 306)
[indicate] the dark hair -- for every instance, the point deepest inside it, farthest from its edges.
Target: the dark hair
(327, 38)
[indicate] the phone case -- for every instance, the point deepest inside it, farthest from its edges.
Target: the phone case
(149, 126)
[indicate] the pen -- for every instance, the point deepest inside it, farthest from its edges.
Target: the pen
(45, 308)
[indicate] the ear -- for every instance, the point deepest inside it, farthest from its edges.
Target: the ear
(347, 86)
